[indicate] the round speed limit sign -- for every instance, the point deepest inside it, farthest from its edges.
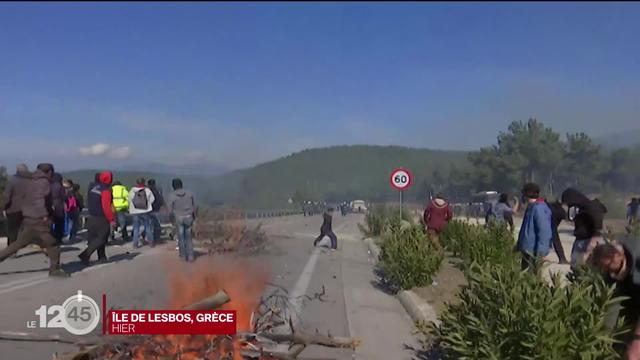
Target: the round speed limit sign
(401, 179)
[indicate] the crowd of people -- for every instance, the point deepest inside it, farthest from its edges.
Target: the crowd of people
(617, 259)
(44, 209)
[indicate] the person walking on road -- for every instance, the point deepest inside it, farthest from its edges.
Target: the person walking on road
(57, 202)
(71, 210)
(101, 219)
(120, 196)
(620, 262)
(557, 215)
(36, 222)
(327, 230)
(156, 206)
(534, 239)
(182, 206)
(140, 207)
(14, 196)
(436, 216)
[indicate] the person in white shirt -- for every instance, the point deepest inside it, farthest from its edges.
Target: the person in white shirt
(140, 207)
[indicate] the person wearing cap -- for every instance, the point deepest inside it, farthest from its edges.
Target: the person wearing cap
(327, 230)
(534, 239)
(13, 197)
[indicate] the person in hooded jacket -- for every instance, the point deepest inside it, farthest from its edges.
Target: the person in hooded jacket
(101, 219)
(436, 216)
(14, 195)
(36, 222)
(327, 229)
(574, 198)
(58, 197)
(182, 206)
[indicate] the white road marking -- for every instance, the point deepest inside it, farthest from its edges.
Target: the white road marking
(21, 281)
(22, 286)
(300, 288)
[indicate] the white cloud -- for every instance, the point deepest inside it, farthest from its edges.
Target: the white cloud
(101, 149)
(95, 149)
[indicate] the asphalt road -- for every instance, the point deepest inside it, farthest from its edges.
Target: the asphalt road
(351, 306)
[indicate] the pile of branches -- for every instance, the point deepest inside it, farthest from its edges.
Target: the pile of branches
(274, 335)
(223, 231)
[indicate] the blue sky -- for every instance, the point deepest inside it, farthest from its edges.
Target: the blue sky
(232, 85)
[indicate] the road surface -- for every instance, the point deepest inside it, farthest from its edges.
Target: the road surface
(139, 278)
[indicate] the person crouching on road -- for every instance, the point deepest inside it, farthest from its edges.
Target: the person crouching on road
(36, 222)
(182, 206)
(101, 219)
(327, 230)
(436, 216)
(140, 207)
(120, 196)
(534, 239)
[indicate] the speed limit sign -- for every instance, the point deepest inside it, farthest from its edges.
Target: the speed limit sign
(401, 179)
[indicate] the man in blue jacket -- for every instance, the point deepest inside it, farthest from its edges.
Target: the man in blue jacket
(536, 232)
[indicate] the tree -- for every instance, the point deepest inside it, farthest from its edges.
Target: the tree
(526, 152)
(582, 163)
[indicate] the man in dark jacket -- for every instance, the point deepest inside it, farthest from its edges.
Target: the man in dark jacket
(14, 195)
(58, 197)
(620, 262)
(327, 230)
(158, 203)
(101, 219)
(36, 223)
(557, 215)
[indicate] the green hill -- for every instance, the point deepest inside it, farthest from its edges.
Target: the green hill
(332, 174)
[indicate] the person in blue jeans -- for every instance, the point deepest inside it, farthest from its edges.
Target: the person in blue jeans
(140, 200)
(182, 205)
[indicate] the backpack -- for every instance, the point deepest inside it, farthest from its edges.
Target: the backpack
(140, 200)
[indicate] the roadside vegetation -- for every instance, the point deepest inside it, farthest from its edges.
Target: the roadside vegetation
(501, 312)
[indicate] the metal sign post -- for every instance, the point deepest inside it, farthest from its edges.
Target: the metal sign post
(400, 180)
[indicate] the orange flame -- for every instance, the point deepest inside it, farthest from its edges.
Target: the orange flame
(242, 280)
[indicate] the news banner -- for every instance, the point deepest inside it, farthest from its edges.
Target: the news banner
(80, 315)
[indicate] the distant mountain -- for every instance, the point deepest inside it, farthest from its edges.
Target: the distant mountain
(629, 138)
(184, 169)
(333, 174)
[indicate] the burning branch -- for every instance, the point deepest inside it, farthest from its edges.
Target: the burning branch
(212, 302)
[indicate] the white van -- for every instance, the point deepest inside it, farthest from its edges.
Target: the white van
(358, 206)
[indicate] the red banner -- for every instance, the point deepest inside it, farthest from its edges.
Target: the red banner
(172, 322)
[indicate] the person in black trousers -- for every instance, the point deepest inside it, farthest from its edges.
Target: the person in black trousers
(101, 219)
(557, 215)
(326, 230)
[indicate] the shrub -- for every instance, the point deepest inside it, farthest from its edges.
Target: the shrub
(504, 313)
(380, 218)
(474, 243)
(408, 258)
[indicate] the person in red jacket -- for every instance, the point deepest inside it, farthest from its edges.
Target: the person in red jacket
(436, 216)
(101, 218)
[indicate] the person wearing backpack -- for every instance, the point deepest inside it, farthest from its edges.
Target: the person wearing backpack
(140, 207)
(121, 205)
